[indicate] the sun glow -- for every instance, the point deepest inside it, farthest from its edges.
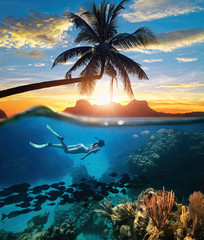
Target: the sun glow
(105, 99)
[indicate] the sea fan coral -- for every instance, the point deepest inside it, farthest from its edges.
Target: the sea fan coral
(159, 206)
(196, 210)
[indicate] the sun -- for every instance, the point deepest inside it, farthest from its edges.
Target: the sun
(103, 100)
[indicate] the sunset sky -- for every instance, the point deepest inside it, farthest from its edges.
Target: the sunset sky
(34, 33)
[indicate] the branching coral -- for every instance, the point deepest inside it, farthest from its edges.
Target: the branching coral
(118, 213)
(184, 218)
(108, 209)
(125, 210)
(159, 206)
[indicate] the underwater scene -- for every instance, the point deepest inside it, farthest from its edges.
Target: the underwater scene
(64, 177)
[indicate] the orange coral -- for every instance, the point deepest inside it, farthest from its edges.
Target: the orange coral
(159, 206)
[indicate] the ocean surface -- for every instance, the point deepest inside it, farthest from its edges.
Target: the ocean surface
(139, 153)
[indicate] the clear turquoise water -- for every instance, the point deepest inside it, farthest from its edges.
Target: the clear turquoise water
(20, 162)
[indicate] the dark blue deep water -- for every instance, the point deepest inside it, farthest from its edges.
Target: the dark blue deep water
(153, 153)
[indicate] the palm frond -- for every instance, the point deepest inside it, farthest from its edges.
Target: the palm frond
(83, 25)
(86, 87)
(141, 37)
(100, 18)
(111, 26)
(131, 66)
(145, 36)
(92, 69)
(110, 12)
(112, 22)
(85, 37)
(99, 22)
(81, 62)
(124, 41)
(73, 52)
(110, 70)
(92, 15)
(123, 73)
(118, 9)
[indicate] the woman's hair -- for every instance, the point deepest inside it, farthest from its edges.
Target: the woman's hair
(100, 142)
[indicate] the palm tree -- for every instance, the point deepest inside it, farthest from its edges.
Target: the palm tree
(98, 27)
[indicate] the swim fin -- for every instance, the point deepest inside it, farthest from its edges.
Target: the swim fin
(52, 131)
(39, 145)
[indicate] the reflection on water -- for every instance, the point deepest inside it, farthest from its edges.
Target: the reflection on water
(49, 194)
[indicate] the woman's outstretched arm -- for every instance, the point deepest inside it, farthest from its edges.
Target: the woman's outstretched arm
(95, 150)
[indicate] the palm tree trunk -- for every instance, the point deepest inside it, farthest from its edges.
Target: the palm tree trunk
(36, 86)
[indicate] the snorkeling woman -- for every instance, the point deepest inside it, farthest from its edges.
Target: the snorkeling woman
(72, 149)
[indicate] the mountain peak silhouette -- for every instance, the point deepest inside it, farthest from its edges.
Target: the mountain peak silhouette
(134, 108)
(3, 114)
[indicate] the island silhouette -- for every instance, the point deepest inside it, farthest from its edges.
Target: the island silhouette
(134, 108)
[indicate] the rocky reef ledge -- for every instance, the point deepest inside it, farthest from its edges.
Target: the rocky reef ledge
(33, 231)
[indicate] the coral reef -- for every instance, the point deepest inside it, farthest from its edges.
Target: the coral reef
(87, 221)
(121, 216)
(67, 230)
(172, 157)
(7, 235)
(37, 222)
(156, 215)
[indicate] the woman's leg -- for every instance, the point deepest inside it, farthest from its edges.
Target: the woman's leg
(62, 145)
(75, 146)
(78, 148)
